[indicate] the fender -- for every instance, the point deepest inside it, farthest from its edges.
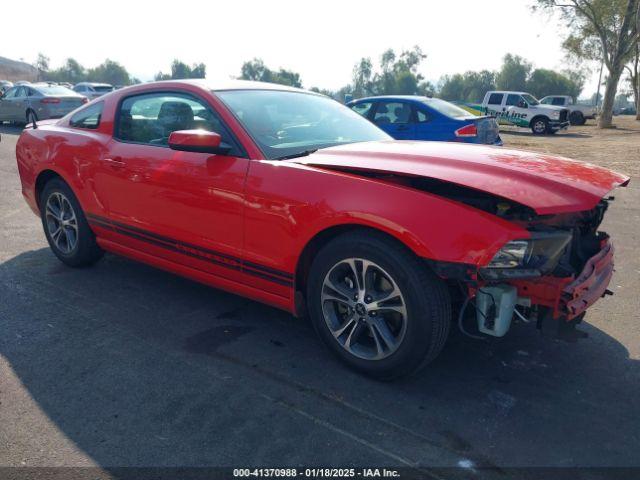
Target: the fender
(71, 157)
(285, 211)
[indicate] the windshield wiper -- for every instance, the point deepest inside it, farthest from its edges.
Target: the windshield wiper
(303, 153)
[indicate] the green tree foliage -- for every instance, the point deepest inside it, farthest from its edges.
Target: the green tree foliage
(513, 74)
(256, 70)
(42, 64)
(468, 87)
(181, 71)
(544, 82)
(109, 72)
(606, 30)
(396, 75)
(73, 72)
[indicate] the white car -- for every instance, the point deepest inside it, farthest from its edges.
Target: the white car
(578, 114)
(93, 90)
(524, 110)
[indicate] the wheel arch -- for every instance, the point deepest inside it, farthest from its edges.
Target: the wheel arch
(315, 244)
(536, 117)
(44, 177)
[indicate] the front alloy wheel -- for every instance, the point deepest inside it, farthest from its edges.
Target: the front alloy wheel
(364, 308)
(377, 305)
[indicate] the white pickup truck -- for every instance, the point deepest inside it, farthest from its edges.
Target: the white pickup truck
(523, 110)
(578, 114)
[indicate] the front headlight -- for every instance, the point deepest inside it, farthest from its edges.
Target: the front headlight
(528, 258)
(513, 254)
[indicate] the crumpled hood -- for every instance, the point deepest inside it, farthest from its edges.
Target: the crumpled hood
(545, 183)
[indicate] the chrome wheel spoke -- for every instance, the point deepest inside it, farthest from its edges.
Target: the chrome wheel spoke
(355, 334)
(364, 308)
(382, 329)
(349, 323)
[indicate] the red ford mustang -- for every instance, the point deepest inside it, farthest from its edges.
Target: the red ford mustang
(292, 199)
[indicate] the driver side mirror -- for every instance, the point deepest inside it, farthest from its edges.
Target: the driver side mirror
(522, 104)
(199, 141)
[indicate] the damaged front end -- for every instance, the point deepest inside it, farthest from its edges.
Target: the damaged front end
(552, 278)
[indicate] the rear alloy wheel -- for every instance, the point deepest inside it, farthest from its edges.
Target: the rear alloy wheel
(539, 126)
(377, 306)
(66, 227)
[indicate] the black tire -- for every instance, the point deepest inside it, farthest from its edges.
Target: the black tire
(84, 251)
(577, 118)
(540, 126)
(428, 305)
(31, 116)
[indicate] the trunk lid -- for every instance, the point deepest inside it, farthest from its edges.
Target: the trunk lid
(545, 183)
(488, 130)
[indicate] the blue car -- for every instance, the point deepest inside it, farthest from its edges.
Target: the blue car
(422, 118)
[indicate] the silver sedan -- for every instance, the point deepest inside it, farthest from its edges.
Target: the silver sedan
(29, 103)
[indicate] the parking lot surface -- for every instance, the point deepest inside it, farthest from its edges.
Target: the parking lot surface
(124, 365)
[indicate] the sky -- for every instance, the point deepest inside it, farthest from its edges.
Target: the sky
(322, 40)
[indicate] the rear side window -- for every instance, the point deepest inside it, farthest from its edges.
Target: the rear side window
(495, 99)
(513, 99)
(392, 112)
(362, 108)
(421, 116)
(151, 118)
(88, 117)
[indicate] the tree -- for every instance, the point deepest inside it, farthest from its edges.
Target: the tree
(180, 71)
(544, 82)
(634, 78)
(71, 72)
(109, 72)
(452, 88)
(363, 78)
(257, 71)
(601, 29)
(42, 64)
(468, 87)
(513, 74)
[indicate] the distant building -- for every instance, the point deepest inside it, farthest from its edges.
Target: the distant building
(14, 70)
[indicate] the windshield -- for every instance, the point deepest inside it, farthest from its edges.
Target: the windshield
(446, 108)
(291, 123)
(102, 88)
(529, 99)
(55, 90)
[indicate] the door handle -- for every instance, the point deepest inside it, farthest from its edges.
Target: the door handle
(115, 162)
(403, 127)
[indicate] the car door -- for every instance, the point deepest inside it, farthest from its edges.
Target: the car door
(19, 105)
(7, 104)
(395, 118)
(429, 125)
(184, 207)
(12, 105)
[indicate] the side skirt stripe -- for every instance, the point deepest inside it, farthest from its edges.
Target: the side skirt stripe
(194, 251)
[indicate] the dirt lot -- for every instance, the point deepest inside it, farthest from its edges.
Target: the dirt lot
(616, 148)
(122, 365)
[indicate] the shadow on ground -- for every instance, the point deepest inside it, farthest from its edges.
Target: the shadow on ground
(138, 367)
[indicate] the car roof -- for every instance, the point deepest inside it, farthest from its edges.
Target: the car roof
(94, 84)
(234, 84)
(417, 98)
(508, 91)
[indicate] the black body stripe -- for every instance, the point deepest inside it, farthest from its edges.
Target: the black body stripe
(194, 251)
